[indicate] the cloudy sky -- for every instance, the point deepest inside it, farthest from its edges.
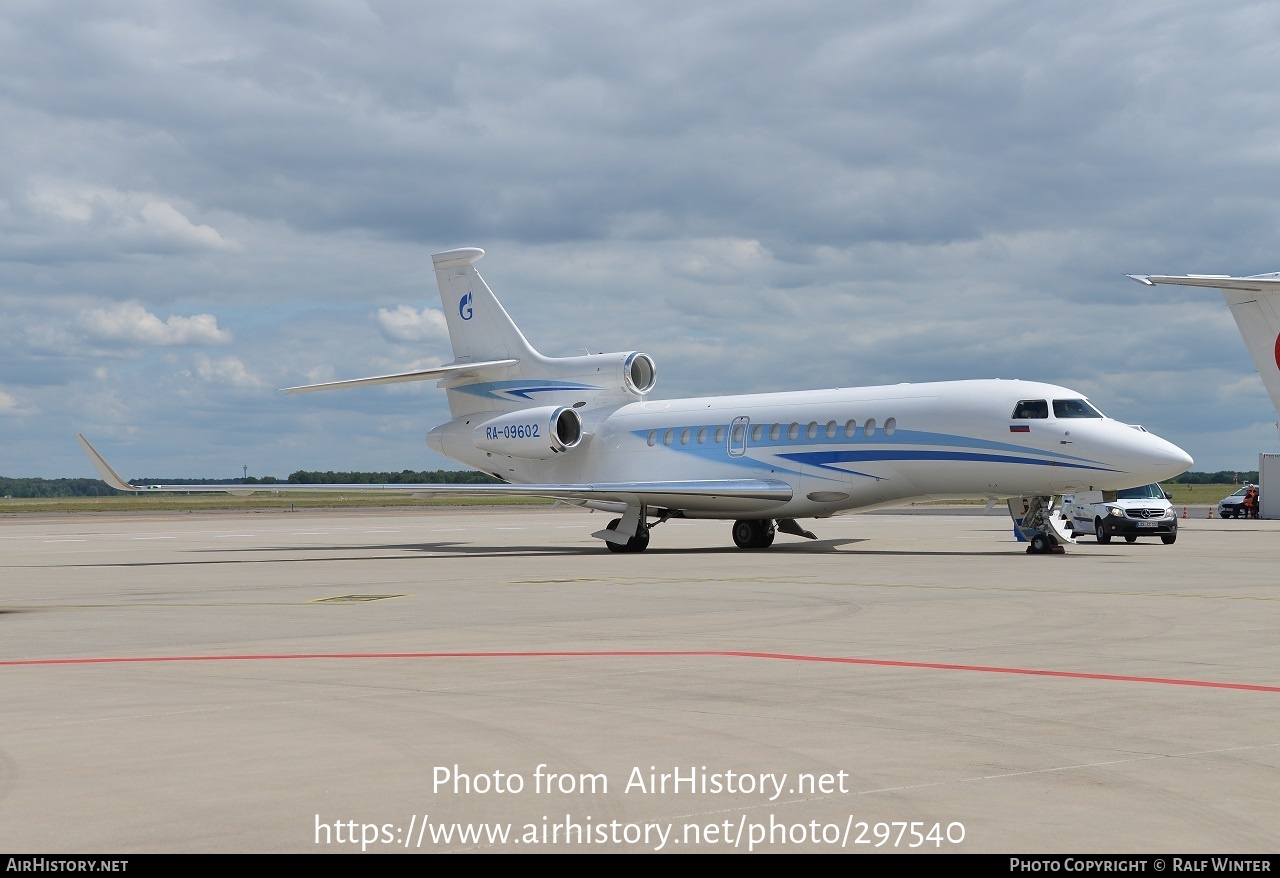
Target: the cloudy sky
(203, 202)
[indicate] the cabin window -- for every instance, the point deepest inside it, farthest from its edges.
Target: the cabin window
(869, 427)
(793, 432)
(668, 437)
(831, 429)
(757, 432)
(738, 432)
(850, 429)
(1030, 408)
(702, 435)
(1074, 408)
(684, 436)
(719, 437)
(890, 425)
(775, 432)
(653, 438)
(812, 432)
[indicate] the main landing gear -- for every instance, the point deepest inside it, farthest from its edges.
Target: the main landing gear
(753, 533)
(747, 534)
(637, 543)
(631, 532)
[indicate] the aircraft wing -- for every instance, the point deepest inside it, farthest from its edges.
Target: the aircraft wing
(449, 370)
(710, 495)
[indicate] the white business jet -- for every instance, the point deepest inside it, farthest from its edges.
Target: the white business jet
(582, 429)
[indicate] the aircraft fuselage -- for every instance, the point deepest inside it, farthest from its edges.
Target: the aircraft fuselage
(848, 448)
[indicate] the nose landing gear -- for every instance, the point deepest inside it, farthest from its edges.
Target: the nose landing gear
(1041, 523)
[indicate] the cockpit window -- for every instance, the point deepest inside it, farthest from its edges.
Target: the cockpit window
(1074, 408)
(1030, 408)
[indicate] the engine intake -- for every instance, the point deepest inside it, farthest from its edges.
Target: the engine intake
(639, 373)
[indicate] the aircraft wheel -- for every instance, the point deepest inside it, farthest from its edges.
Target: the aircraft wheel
(614, 547)
(751, 533)
(767, 533)
(1130, 539)
(1041, 544)
(635, 544)
(1102, 537)
(1168, 539)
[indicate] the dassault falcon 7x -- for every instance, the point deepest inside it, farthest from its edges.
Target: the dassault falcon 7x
(583, 430)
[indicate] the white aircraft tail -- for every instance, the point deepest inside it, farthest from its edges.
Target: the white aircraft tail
(479, 327)
(516, 376)
(496, 370)
(1255, 304)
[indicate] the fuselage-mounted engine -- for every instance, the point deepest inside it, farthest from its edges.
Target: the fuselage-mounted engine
(532, 434)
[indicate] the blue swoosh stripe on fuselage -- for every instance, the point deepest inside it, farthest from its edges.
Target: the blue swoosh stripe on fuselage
(916, 437)
(899, 437)
(715, 452)
(521, 389)
(825, 459)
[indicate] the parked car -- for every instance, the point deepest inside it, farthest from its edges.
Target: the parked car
(1233, 506)
(1134, 512)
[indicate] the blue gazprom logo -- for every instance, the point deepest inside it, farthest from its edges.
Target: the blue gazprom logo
(464, 306)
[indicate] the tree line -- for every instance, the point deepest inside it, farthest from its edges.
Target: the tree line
(41, 488)
(1222, 477)
(97, 488)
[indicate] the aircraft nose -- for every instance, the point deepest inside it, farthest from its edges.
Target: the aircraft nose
(1142, 456)
(1167, 458)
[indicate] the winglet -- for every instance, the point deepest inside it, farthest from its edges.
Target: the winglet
(1142, 279)
(110, 476)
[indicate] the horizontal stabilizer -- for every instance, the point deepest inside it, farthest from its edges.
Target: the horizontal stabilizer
(451, 370)
(1255, 304)
(1267, 283)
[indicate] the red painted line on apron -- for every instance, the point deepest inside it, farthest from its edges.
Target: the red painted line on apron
(884, 663)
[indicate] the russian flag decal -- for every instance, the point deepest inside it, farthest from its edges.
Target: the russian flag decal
(1019, 428)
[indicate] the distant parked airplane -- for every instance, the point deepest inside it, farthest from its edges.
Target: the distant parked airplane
(582, 429)
(1255, 304)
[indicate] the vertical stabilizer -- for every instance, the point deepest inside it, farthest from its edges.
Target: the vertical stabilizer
(479, 327)
(482, 332)
(1255, 304)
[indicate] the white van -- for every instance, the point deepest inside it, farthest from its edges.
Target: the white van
(1131, 513)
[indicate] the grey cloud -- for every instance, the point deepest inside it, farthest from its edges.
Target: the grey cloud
(763, 196)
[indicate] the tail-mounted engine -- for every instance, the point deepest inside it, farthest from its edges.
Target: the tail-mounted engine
(613, 378)
(639, 373)
(533, 434)
(588, 380)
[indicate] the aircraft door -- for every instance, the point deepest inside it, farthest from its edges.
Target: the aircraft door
(1072, 440)
(737, 437)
